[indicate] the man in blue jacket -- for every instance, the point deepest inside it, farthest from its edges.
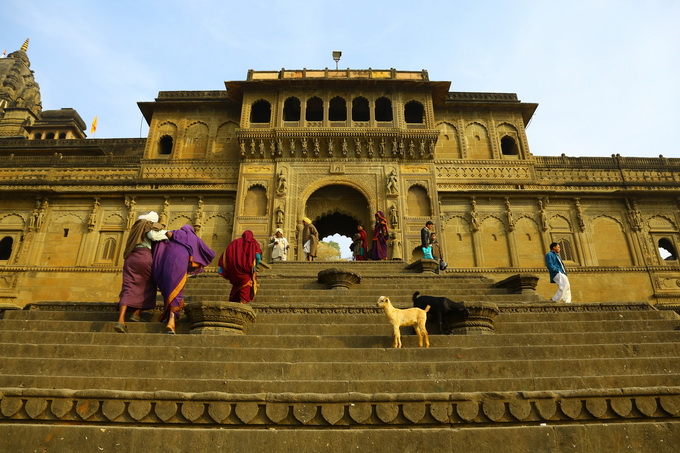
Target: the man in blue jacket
(558, 274)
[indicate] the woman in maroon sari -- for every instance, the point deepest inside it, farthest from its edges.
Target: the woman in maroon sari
(173, 260)
(380, 236)
(238, 264)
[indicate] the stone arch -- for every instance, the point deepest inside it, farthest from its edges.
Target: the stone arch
(178, 221)
(337, 109)
(217, 231)
(13, 220)
(314, 109)
(459, 247)
(477, 141)
(195, 141)
(494, 242)
(226, 144)
(559, 222)
(166, 133)
(609, 242)
(448, 146)
(261, 112)
(114, 220)
(661, 223)
(255, 201)
(360, 109)
(291, 109)
(530, 249)
(338, 207)
(383, 109)
(418, 201)
(414, 112)
(6, 247)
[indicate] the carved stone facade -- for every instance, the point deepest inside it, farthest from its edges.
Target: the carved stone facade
(336, 146)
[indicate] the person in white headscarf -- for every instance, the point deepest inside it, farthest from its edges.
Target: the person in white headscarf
(139, 288)
(279, 246)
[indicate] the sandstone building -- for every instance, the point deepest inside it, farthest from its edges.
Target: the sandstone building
(335, 146)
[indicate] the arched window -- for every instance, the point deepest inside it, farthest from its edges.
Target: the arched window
(383, 109)
(337, 110)
(109, 249)
(314, 110)
(414, 112)
(666, 250)
(6, 247)
(50, 136)
(37, 136)
(360, 110)
(165, 145)
(509, 146)
(291, 109)
(261, 112)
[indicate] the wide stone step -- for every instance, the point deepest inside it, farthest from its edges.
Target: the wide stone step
(331, 370)
(329, 341)
(349, 355)
(385, 385)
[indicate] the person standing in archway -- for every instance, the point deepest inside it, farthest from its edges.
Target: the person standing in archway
(310, 239)
(380, 236)
(360, 244)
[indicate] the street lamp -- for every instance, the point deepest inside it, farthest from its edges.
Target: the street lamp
(336, 56)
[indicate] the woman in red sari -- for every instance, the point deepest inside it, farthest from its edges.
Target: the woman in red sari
(238, 264)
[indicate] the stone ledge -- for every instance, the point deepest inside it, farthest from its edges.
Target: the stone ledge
(424, 266)
(110, 407)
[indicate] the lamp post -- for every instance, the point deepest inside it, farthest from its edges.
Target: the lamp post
(336, 56)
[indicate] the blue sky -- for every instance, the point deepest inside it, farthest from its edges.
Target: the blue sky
(604, 73)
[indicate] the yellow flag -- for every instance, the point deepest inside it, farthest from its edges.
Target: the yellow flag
(93, 129)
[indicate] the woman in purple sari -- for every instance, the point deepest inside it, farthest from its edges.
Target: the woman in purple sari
(380, 236)
(173, 260)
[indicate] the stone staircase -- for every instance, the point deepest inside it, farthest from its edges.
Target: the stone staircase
(316, 372)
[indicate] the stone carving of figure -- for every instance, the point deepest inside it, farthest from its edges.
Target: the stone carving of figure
(272, 148)
(279, 216)
(92, 218)
(344, 147)
(130, 203)
(395, 245)
(198, 217)
(474, 219)
(261, 147)
(508, 215)
(392, 183)
(634, 215)
(242, 144)
(163, 218)
(395, 147)
(421, 149)
(33, 221)
(579, 215)
(394, 216)
(252, 147)
(279, 146)
(317, 147)
(357, 147)
(382, 147)
(304, 146)
(411, 149)
(370, 147)
(543, 217)
(281, 184)
(292, 146)
(330, 146)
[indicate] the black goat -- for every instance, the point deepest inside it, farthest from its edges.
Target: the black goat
(440, 307)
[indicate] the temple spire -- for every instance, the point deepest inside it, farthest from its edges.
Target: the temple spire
(24, 47)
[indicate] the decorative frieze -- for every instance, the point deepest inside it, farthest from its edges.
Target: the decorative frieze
(426, 410)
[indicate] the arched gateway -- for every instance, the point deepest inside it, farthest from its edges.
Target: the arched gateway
(338, 208)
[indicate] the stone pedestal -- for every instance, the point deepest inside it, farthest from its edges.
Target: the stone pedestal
(519, 284)
(338, 278)
(480, 321)
(218, 318)
(425, 266)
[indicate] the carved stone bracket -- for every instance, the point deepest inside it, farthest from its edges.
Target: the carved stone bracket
(218, 318)
(519, 284)
(338, 278)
